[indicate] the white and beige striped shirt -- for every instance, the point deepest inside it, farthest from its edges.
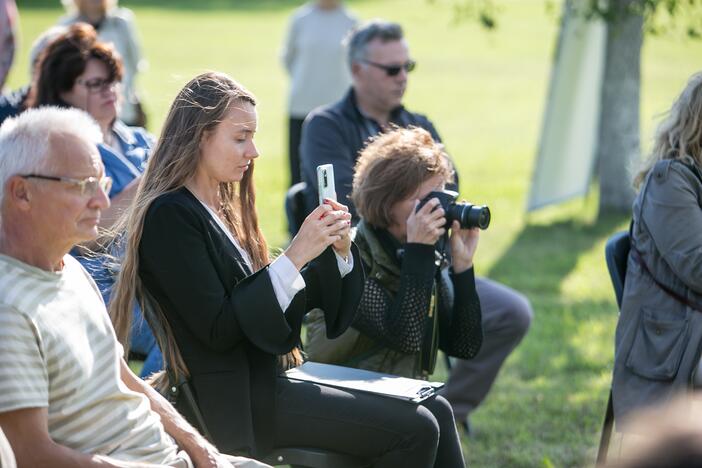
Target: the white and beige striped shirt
(58, 350)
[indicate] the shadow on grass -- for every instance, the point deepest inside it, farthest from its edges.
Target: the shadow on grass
(551, 250)
(241, 5)
(555, 386)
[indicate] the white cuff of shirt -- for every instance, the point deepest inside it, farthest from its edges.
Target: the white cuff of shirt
(287, 281)
(345, 266)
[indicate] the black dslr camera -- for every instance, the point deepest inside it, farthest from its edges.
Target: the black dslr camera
(469, 216)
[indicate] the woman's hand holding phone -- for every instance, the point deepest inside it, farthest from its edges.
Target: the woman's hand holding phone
(328, 224)
(343, 245)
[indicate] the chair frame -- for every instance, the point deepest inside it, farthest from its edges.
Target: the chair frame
(616, 256)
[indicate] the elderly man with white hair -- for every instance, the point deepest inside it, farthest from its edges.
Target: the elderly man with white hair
(67, 397)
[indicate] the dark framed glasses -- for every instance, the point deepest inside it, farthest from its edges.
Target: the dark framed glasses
(88, 186)
(97, 85)
(393, 70)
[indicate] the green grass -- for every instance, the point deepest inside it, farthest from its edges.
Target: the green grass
(485, 92)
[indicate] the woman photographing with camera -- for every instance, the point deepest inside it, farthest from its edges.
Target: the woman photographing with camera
(227, 319)
(416, 300)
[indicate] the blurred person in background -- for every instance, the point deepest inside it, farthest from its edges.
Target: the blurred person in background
(77, 70)
(661, 436)
(8, 37)
(116, 26)
(314, 56)
(14, 102)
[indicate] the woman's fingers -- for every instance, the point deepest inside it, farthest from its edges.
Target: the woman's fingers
(334, 216)
(336, 205)
(341, 228)
(319, 212)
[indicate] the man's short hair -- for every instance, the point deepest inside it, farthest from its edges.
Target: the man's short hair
(362, 35)
(391, 168)
(24, 140)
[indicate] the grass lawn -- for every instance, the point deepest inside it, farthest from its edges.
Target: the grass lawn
(485, 93)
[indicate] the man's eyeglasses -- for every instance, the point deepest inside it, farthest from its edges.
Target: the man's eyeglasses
(97, 85)
(88, 186)
(393, 70)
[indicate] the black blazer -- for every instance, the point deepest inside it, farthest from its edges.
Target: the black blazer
(227, 321)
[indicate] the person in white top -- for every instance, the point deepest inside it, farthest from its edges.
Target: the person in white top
(314, 57)
(116, 26)
(67, 397)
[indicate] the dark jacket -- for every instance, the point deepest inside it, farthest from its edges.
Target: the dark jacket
(659, 338)
(226, 320)
(12, 103)
(388, 334)
(335, 134)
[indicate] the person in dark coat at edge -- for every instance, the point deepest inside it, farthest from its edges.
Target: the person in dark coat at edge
(658, 339)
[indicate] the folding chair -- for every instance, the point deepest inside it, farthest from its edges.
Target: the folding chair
(616, 255)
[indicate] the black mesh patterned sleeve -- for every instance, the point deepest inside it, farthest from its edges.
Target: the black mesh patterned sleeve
(398, 322)
(460, 316)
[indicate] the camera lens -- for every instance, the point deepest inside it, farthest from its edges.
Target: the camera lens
(469, 216)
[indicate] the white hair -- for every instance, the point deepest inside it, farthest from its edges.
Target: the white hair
(24, 140)
(41, 42)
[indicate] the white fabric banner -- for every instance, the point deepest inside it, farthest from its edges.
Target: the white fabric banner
(568, 144)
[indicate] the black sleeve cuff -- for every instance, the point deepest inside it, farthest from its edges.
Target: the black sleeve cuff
(419, 259)
(468, 275)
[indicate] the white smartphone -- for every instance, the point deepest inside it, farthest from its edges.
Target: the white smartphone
(325, 182)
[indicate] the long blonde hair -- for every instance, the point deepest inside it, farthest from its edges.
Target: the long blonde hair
(198, 108)
(679, 135)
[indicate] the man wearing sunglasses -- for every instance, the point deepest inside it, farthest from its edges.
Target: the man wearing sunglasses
(380, 64)
(379, 60)
(67, 396)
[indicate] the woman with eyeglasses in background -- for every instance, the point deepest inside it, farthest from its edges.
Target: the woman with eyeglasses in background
(114, 25)
(77, 70)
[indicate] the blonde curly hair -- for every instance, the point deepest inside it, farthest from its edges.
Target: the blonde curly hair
(679, 135)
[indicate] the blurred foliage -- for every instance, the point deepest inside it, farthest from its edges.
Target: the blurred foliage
(660, 16)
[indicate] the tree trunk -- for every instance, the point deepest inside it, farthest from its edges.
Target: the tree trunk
(619, 133)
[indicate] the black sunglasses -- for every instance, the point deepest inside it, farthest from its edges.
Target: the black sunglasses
(393, 70)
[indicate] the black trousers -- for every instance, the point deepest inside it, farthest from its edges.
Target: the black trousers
(294, 138)
(385, 431)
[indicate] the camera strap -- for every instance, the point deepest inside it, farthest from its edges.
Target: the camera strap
(430, 343)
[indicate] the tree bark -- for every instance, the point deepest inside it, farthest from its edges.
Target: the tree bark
(619, 132)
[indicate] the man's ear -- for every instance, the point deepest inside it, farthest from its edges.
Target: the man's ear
(17, 190)
(355, 68)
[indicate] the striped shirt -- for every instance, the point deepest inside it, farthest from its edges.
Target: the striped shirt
(58, 351)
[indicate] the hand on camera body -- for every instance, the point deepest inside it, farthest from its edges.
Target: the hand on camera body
(464, 243)
(328, 224)
(428, 224)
